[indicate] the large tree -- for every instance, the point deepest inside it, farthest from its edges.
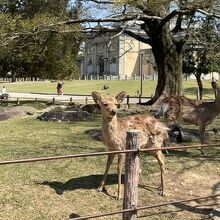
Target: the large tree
(166, 26)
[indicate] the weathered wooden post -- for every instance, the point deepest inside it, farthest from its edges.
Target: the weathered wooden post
(18, 101)
(86, 100)
(53, 100)
(132, 170)
(71, 100)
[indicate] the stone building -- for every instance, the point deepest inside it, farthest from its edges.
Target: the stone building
(117, 57)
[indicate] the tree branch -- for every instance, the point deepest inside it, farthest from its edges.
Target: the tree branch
(138, 37)
(170, 16)
(122, 18)
(101, 2)
(208, 14)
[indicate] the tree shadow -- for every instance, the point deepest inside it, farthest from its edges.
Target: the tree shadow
(193, 209)
(192, 91)
(84, 182)
(216, 191)
(211, 211)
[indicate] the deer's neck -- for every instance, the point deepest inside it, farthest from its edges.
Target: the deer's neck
(112, 134)
(110, 126)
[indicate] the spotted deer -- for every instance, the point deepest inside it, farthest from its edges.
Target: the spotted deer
(153, 134)
(181, 109)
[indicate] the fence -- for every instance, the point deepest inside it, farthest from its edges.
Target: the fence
(23, 79)
(117, 77)
(131, 181)
(70, 98)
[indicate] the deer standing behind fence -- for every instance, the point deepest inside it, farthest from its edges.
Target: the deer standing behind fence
(153, 134)
(202, 113)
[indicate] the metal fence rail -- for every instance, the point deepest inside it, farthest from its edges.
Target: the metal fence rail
(145, 207)
(31, 160)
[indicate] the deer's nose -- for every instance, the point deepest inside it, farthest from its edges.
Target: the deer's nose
(113, 112)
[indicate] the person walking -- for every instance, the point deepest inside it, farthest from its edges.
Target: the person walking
(59, 88)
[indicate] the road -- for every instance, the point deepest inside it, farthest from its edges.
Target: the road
(63, 98)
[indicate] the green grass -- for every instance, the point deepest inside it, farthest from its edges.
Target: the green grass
(67, 188)
(86, 87)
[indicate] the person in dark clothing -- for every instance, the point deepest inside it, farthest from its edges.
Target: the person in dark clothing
(59, 88)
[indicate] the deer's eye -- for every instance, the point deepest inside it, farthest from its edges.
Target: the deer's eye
(105, 104)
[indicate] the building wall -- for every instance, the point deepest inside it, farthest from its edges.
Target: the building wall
(130, 64)
(121, 58)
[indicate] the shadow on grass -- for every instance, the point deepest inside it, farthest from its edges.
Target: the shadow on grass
(193, 91)
(193, 209)
(84, 182)
(181, 207)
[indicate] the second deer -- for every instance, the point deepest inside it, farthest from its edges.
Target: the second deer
(153, 134)
(202, 113)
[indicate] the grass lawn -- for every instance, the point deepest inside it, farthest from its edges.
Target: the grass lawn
(86, 87)
(66, 188)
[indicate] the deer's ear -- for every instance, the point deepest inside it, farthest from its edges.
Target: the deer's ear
(120, 97)
(96, 97)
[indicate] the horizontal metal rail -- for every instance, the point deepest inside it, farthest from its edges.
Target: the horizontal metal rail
(31, 160)
(145, 207)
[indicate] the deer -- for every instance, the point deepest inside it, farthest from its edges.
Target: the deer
(176, 108)
(153, 134)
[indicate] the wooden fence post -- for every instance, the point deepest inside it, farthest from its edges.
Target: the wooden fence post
(86, 100)
(132, 170)
(139, 98)
(53, 100)
(71, 100)
(128, 104)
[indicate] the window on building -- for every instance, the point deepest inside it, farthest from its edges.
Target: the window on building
(89, 62)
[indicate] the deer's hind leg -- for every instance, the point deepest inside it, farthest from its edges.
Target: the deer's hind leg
(160, 157)
(202, 138)
(108, 165)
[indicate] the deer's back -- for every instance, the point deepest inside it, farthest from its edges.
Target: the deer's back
(153, 132)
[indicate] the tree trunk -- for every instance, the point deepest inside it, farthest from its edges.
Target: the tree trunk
(168, 57)
(200, 86)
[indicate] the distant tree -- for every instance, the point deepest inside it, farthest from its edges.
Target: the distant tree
(202, 52)
(30, 47)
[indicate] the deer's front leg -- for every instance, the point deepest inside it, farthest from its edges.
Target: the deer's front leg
(108, 165)
(160, 157)
(119, 169)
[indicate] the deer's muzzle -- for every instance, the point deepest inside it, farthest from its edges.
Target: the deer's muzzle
(113, 112)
